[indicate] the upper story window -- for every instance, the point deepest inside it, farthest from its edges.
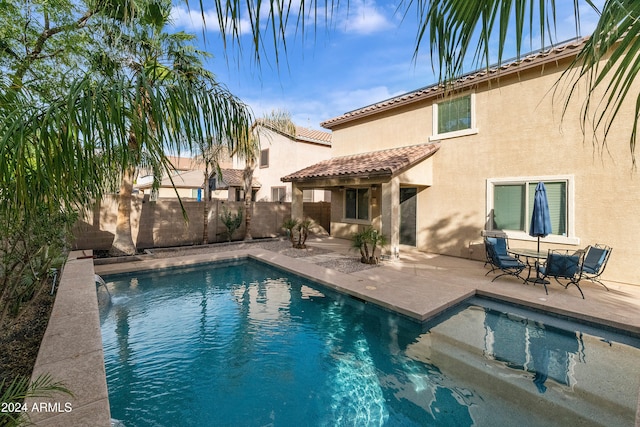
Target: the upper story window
(454, 117)
(356, 203)
(264, 158)
(510, 205)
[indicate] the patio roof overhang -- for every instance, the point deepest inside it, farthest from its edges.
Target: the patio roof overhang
(363, 168)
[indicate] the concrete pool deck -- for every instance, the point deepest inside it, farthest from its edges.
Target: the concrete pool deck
(419, 285)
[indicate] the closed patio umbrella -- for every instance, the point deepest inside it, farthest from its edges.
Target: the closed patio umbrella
(540, 218)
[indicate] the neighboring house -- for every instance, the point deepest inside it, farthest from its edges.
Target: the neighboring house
(188, 185)
(230, 186)
(281, 154)
(433, 171)
(187, 175)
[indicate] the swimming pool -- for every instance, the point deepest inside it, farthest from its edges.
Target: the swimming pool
(247, 344)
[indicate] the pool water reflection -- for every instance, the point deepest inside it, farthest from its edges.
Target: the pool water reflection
(246, 344)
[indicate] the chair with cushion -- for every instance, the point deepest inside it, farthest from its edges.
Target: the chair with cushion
(508, 265)
(595, 260)
(501, 246)
(561, 265)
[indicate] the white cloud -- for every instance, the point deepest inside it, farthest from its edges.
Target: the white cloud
(192, 20)
(566, 28)
(311, 112)
(363, 17)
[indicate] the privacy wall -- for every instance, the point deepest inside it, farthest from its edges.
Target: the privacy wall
(162, 223)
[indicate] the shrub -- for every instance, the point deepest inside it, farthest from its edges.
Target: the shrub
(31, 248)
(367, 241)
(231, 221)
(297, 231)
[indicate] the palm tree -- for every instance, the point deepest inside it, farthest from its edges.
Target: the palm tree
(164, 59)
(249, 150)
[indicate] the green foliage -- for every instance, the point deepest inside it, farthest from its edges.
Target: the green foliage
(21, 388)
(32, 245)
(231, 221)
(297, 231)
(366, 242)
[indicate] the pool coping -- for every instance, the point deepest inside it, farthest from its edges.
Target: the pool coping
(400, 297)
(71, 352)
(75, 356)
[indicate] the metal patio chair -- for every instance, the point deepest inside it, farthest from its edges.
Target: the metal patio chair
(595, 261)
(508, 265)
(562, 265)
(501, 245)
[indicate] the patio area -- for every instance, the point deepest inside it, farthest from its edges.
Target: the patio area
(430, 282)
(419, 285)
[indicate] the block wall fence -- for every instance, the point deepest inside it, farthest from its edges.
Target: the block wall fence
(162, 223)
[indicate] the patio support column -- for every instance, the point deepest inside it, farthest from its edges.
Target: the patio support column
(296, 202)
(390, 208)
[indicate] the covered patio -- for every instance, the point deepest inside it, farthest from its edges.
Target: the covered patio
(377, 189)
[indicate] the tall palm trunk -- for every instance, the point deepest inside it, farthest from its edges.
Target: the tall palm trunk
(206, 199)
(247, 176)
(123, 241)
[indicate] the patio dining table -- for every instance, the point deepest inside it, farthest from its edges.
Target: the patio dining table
(532, 259)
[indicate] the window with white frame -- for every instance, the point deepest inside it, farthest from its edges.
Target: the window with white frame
(510, 204)
(307, 195)
(356, 203)
(278, 194)
(454, 117)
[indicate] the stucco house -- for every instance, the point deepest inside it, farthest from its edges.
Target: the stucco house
(228, 184)
(433, 169)
(281, 154)
(187, 173)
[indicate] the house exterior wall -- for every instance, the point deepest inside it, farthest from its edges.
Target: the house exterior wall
(286, 156)
(520, 134)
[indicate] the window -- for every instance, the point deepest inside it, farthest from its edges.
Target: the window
(356, 203)
(307, 195)
(454, 117)
(510, 204)
(278, 194)
(264, 158)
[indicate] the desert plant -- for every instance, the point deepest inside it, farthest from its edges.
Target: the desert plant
(231, 221)
(31, 246)
(13, 394)
(297, 231)
(367, 241)
(289, 225)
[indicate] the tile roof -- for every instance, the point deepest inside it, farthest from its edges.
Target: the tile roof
(188, 179)
(304, 134)
(313, 135)
(376, 163)
(534, 59)
(233, 178)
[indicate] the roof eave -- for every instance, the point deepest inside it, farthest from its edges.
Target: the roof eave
(481, 76)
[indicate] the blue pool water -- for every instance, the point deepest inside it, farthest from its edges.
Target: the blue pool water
(244, 344)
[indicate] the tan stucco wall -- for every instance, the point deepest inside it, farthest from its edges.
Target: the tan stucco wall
(520, 134)
(161, 223)
(287, 156)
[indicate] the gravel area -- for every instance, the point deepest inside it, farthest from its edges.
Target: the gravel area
(342, 263)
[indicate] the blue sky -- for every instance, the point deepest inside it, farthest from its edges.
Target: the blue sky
(365, 56)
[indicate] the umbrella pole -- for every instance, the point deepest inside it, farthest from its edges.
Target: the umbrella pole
(538, 244)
